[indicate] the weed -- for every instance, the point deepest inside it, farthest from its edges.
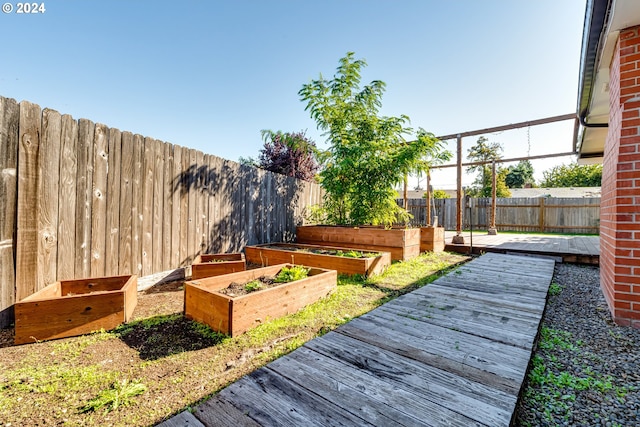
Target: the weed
(555, 289)
(119, 394)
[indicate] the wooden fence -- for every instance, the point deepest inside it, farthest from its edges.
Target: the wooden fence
(79, 199)
(555, 215)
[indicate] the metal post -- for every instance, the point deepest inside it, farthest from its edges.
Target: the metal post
(492, 231)
(458, 238)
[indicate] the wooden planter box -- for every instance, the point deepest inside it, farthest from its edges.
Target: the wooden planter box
(75, 307)
(203, 267)
(278, 253)
(431, 239)
(403, 243)
(235, 315)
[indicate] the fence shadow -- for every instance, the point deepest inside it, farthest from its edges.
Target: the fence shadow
(243, 205)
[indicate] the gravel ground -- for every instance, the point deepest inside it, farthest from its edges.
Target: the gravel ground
(586, 369)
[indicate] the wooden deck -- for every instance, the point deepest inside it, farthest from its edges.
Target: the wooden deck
(575, 249)
(452, 353)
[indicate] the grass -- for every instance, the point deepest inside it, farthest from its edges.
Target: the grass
(119, 394)
(106, 379)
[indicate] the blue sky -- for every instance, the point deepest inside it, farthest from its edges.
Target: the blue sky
(211, 74)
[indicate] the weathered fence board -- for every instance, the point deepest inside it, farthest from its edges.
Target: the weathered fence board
(9, 119)
(126, 204)
(27, 221)
(114, 185)
(48, 164)
(540, 214)
(84, 197)
(99, 200)
(67, 197)
(87, 200)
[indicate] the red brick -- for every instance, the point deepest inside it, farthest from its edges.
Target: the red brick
(629, 279)
(628, 314)
(629, 90)
(622, 270)
(628, 82)
(627, 68)
(628, 149)
(622, 305)
(629, 114)
(621, 288)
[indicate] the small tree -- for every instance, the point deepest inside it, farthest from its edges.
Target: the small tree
(572, 175)
(485, 151)
(290, 154)
(520, 175)
(368, 153)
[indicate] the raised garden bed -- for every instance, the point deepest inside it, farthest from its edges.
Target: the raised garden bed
(208, 265)
(234, 315)
(344, 260)
(75, 307)
(431, 239)
(402, 243)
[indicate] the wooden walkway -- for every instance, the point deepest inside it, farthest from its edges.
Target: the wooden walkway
(576, 249)
(453, 353)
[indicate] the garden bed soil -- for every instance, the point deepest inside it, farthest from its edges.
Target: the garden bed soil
(402, 243)
(319, 256)
(207, 265)
(205, 303)
(75, 307)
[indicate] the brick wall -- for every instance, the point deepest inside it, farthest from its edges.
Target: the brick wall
(620, 203)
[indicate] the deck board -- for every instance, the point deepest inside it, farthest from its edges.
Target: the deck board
(451, 353)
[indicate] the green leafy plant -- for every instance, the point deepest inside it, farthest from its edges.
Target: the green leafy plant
(119, 394)
(253, 286)
(555, 289)
(363, 144)
(290, 274)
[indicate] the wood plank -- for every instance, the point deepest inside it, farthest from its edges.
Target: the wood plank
(48, 196)
(147, 207)
(379, 389)
(476, 358)
(9, 137)
(472, 326)
(67, 194)
(27, 217)
(211, 204)
(158, 206)
(220, 412)
(192, 236)
(99, 200)
(84, 197)
(137, 209)
(183, 419)
(114, 184)
(125, 265)
(176, 178)
(199, 198)
(371, 407)
(271, 400)
(183, 185)
(461, 397)
(167, 211)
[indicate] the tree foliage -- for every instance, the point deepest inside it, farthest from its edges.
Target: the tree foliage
(485, 151)
(368, 153)
(572, 175)
(439, 194)
(290, 154)
(520, 175)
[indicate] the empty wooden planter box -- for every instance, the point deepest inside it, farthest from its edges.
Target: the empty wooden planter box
(75, 307)
(403, 243)
(235, 315)
(216, 264)
(310, 255)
